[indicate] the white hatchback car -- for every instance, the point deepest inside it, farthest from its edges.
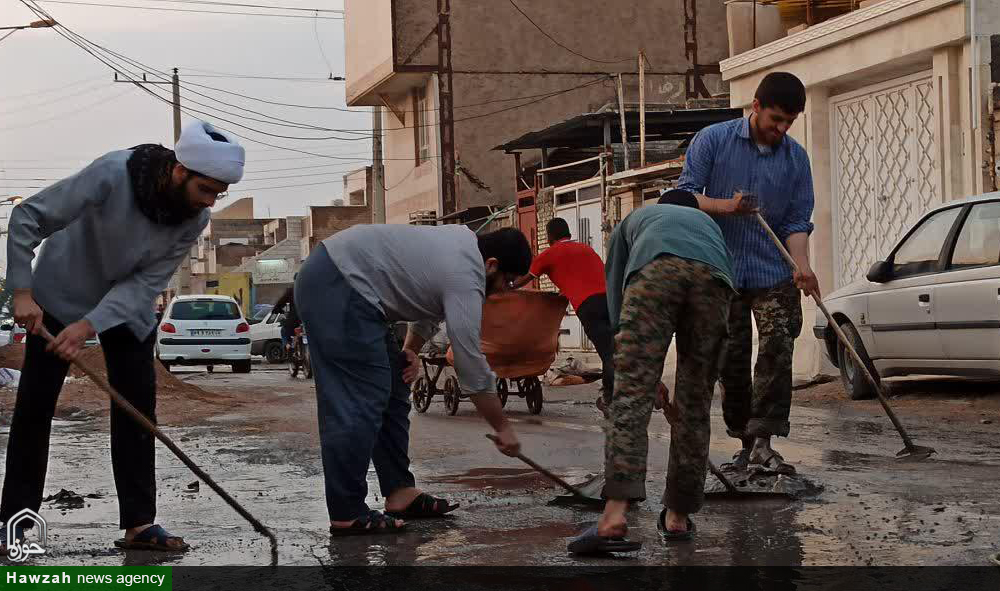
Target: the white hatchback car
(204, 330)
(932, 306)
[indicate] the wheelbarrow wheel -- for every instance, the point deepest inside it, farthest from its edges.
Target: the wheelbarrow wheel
(451, 391)
(502, 391)
(421, 395)
(533, 395)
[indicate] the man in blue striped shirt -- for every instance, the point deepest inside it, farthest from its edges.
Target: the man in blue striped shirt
(753, 155)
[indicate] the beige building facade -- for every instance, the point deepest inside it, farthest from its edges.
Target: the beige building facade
(509, 77)
(899, 118)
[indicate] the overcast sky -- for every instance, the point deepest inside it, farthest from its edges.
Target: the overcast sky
(59, 108)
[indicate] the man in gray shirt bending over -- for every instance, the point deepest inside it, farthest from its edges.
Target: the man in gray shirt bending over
(348, 294)
(116, 231)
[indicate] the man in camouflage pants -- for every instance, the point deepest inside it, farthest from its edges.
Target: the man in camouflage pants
(668, 274)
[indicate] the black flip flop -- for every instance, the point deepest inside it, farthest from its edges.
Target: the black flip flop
(153, 538)
(372, 524)
(424, 507)
(674, 536)
(590, 542)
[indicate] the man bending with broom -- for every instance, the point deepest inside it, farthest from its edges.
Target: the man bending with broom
(116, 231)
(669, 275)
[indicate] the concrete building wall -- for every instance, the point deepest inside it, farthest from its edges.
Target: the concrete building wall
(358, 186)
(498, 54)
(327, 220)
(368, 49)
(241, 209)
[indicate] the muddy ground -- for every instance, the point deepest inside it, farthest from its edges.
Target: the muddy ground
(257, 435)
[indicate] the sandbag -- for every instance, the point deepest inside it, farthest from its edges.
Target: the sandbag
(520, 332)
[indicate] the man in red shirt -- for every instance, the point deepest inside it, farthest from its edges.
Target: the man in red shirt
(578, 271)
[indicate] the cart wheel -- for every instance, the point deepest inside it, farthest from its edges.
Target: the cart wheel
(421, 395)
(451, 391)
(533, 395)
(502, 391)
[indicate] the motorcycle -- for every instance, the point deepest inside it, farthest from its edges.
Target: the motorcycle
(298, 360)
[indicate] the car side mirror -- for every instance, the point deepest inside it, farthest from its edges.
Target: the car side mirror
(880, 272)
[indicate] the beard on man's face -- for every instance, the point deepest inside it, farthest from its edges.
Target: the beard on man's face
(179, 203)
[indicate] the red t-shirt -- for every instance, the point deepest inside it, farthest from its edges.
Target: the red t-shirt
(575, 268)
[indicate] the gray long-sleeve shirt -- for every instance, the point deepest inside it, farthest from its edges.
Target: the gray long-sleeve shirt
(423, 275)
(103, 259)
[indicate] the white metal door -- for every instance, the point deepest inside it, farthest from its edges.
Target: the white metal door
(886, 169)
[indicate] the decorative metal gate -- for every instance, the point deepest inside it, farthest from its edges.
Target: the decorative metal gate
(886, 168)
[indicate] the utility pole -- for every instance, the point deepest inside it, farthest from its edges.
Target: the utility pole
(449, 197)
(175, 83)
(378, 171)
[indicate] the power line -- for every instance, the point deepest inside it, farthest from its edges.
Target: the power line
(87, 90)
(52, 89)
(103, 5)
(65, 114)
(267, 6)
(553, 39)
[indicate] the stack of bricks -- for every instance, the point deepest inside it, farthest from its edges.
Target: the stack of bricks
(544, 210)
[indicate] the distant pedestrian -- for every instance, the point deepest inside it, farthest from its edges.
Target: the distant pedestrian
(114, 234)
(350, 292)
(578, 271)
(754, 155)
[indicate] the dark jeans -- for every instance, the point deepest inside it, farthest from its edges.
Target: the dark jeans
(131, 372)
(362, 404)
(758, 405)
(593, 315)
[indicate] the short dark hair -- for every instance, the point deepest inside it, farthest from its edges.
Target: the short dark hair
(678, 197)
(509, 247)
(557, 229)
(783, 90)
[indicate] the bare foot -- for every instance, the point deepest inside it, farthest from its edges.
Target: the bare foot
(676, 522)
(399, 500)
(613, 523)
(175, 542)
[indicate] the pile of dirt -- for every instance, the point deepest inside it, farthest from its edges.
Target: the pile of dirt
(176, 400)
(12, 356)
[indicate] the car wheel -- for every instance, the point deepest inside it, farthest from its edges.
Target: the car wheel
(853, 377)
(274, 352)
(241, 366)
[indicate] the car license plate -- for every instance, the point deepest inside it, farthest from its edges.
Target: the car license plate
(205, 332)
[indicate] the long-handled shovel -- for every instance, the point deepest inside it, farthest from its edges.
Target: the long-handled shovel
(910, 450)
(149, 426)
(577, 493)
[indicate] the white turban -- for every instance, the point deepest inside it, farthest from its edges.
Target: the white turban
(217, 159)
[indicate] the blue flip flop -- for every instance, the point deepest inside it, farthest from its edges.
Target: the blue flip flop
(590, 542)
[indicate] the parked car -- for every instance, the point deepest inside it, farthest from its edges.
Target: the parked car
(930, 306)
(204, 330)
(11, 334)
(265, 337)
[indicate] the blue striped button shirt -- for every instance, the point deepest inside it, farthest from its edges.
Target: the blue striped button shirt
(722, 159)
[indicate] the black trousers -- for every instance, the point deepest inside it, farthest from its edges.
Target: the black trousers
(132, 374)
(593, 315)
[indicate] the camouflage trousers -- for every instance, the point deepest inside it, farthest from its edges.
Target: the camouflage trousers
(759, 406)
(668, 297)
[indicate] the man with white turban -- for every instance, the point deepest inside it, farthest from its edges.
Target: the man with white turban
(115, 233)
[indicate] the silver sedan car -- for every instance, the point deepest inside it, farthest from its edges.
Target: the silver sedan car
(931, 306)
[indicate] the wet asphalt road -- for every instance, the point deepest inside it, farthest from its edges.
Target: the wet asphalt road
(874, 510)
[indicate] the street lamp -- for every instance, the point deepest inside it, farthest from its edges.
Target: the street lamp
(42, 24)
